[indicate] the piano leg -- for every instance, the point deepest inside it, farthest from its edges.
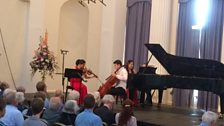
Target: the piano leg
(160, 96)
(222, 103)
(149, 97)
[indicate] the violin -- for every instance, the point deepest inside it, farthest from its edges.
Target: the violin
(89, 72)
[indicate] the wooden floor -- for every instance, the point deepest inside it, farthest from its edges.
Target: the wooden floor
(167, 116)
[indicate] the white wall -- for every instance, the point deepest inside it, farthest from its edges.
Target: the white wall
(24, 22)
(112, 35)
(73, 31)
(13, 24)
(163, 31)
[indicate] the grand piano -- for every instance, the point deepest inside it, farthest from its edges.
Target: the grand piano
(184, 73)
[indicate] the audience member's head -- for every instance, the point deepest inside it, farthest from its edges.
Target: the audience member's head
(10, 97)
(96, 97)
(2, 107)
(8, 90)
(20, 97)
(126, 112)
(73, 95)
(89, 101)
(3, 86)
(41, 86)
(40, 94)
(71, 107)
(37, 106)
(59, 93)
(209, 118)
(108, 100)
(20, 89)
(55, 103)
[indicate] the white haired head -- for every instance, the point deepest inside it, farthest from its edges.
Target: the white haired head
(7, 91)
(209, 118)
(108, 98)
(73, 95)
(20, 97)
(96, 95)
(10, 96)
(71, 107)
(55, 103)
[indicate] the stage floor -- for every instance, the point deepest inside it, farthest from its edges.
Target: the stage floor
(167, 116)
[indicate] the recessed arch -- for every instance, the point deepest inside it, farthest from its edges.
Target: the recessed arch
(73, 30)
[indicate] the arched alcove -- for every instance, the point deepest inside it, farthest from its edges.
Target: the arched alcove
(73, 31)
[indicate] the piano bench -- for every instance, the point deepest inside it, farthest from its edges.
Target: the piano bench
(119, 97)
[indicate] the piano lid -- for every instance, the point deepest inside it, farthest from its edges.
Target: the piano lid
(185, 66)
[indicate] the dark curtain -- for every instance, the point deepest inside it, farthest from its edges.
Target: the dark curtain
(187, 46)
(137, 31)
(211, 45)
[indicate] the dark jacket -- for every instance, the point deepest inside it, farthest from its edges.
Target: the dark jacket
(51, 117)
(67, 119)
(106, 115)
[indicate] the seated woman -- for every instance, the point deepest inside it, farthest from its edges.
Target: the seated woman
(20, 98)
(132, 91)
(76, 83)
(125, 117)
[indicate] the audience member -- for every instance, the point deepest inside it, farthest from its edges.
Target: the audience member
(97, 99)
(73, 95)
(3, 86)
(87, 117)
(69, 112)
(125, 117)
(41, 86)
(52, 114)
(105, 112)
(59, 93)
(37, 109)
(39, 94)
(12, 117)
(2, 110)
(20, 98)
(21, 89)
(209, 119)
(26, 102)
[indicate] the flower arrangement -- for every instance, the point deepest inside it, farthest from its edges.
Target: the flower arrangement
(44, 60)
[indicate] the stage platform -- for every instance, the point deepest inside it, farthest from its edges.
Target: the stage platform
(167, 116)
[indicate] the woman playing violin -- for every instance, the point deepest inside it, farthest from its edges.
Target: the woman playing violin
(75, 82)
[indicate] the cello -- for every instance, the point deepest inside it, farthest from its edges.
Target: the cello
(111, 80)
